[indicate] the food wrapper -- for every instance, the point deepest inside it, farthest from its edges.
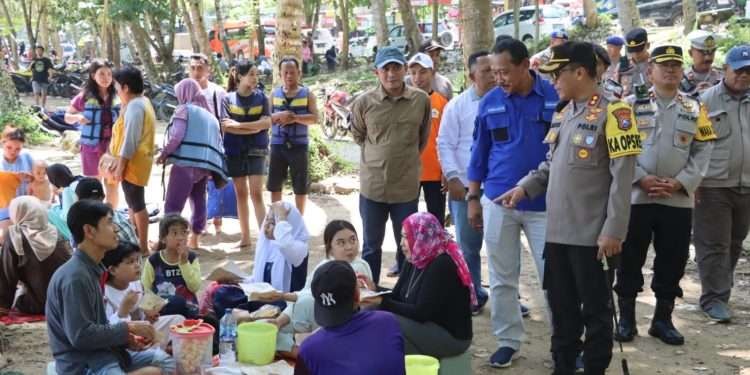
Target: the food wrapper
(228, 272)
(265, 312)
(256, 291)
(152, 302)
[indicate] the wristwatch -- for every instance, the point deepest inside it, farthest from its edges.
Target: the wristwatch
(472, 197)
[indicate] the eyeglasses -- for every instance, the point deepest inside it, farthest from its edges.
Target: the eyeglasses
(556, 74)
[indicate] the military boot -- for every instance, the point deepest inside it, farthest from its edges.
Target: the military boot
(662, 327)
(626, 328)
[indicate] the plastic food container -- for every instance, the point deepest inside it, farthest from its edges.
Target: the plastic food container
(192, 346)
(421, 365)
(256, 343)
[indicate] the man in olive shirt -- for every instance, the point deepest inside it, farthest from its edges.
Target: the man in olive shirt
(391, 123)
(722, 207)
(588, 177)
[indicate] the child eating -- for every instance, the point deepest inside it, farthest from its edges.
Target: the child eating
(123, 293)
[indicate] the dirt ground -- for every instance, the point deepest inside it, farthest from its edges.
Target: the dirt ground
(709, 349)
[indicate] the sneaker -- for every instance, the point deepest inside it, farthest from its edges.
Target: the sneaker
(579, 363)
(393, 271)
(718, 312)
(476, 310)
(503, 357)
(525, 311)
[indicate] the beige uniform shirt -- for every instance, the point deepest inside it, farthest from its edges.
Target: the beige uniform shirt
(730, 158)
(391, 132)
(694, 83)
(589, 170)
(677, 142)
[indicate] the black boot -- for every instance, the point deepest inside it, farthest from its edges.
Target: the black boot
(662, 327)
(626, 330)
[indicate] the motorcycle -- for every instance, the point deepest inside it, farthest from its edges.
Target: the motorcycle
(53, 121)
(163, 99)
(22, 81)
(337, 109)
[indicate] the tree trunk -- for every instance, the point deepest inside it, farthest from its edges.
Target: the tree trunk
(435, 21)
(381, 25)
(689, 16)
(289, 19)
(43, 34)
(476, 21)
(413, 36)
(106, 34)
(260, 32)
(13, 35)
(628, 15)
(537, 14)
(589, 10)
(191, 29)
(344, 55)
(222, 36)
(516, 18)
(8, 95)
(200, 27)
(140, 37)
(115, 36)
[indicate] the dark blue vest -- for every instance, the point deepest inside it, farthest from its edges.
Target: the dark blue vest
(294, 133)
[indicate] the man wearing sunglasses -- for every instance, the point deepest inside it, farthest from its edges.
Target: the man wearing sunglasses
(702, 74)
(588, 175)
(677, 141)
(722, 208)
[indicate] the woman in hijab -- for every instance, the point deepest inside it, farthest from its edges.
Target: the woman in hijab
(195, 150)
(65, 183)
(433, 296)
(280, 260)
(32, 251)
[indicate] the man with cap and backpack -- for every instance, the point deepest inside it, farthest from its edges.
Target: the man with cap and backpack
(635, 72)
(371, 340)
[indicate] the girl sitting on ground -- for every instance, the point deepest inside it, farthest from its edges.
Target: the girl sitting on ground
(123, 292)
(341, 243)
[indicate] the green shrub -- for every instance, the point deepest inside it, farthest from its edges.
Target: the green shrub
(14, 113)
(596, 35)
(323, 162)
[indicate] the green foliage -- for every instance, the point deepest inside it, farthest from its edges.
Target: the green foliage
(595, 35)
(323, 162)
(13, 113)
(738, 32)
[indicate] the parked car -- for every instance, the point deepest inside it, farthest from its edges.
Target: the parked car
(362, 46)
(68, 50)
(669, 12)
(552, 18)
(446, 37)
(322, 41)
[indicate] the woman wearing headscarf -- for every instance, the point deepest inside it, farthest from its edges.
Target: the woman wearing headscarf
(32, 251)
(65, 183)
(433, 296)
(195, 150)
(280, 260)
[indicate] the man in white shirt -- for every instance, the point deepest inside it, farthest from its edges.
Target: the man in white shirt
(454, 150)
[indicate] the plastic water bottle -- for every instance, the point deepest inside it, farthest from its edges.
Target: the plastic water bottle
(227, 338)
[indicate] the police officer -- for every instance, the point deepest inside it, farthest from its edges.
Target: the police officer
(556, 38)
(635, 72)
(614, 50)
(722, 210)
(588, 176)
(701, 75)
(612, 90)
(677, 141)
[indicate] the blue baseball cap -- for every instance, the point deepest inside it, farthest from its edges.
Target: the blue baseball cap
(387, 55)
(738, 57)
(615, 40)
(559, 34)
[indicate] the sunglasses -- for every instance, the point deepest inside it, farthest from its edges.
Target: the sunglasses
(556, 74)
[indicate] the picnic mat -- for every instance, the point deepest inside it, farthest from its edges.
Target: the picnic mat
(17, 317)
(275, 368)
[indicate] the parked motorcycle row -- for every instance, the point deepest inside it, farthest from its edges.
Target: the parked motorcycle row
(337, 113)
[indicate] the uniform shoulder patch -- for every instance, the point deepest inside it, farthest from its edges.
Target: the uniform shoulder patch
(705, 127)
(622, 137)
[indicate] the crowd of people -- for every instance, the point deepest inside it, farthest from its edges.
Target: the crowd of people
(592, 154)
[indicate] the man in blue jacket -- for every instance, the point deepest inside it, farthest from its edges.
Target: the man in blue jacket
(511, 123)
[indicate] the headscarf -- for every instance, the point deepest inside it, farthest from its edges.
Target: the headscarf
(29, 218)
(427, 239)
(267, 250)
(188, 91)
(60, 175)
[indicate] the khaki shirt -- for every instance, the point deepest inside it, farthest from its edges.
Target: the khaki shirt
(628, 77)
(677, 142)
(588, 174)
(694, 84)
(391, 132)
(730, 158)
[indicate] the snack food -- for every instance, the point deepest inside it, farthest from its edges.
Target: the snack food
(265, 312)
(152, 302)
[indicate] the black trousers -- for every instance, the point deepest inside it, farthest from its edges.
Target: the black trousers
(579, 298)
(434, 199)
(669, 228)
